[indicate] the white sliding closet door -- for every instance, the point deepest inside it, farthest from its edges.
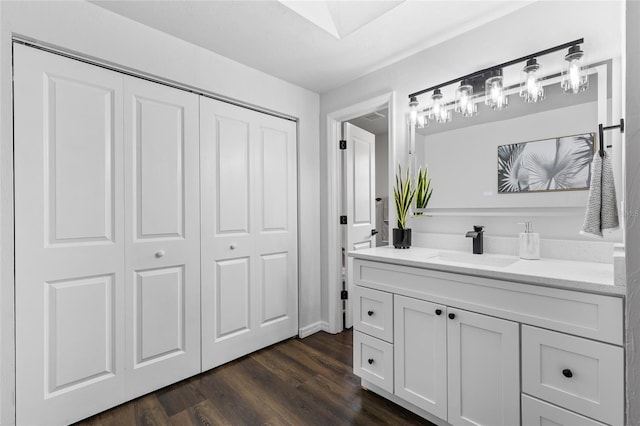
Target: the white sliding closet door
(162, 235)
(69, 238)
(249, 231)
(107, 237)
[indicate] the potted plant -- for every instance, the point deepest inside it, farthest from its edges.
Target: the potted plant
(423, 189)
(403, 193)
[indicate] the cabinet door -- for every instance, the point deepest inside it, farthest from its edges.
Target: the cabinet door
(249, 231)
(420, 354)
(69, 238)
(484, 370)
(162, 235)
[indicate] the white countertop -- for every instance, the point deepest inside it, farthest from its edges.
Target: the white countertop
(571, 275)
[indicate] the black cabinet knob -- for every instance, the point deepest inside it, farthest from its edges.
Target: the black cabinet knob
(370, 361)
(567, 373)
(452, 316)
(438, 311)
(370, 313)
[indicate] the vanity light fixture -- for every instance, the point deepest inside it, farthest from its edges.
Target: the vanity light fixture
(574, 71)
(464, 99)
(495, 98)
(491, 80)
(531, 89)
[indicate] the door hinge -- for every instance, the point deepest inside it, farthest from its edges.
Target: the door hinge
(343, 144)
(344, 295)
(343, 220)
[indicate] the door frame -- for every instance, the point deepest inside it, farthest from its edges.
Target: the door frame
(334, 192)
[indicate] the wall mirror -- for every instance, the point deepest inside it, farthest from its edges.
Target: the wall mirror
(462, 154)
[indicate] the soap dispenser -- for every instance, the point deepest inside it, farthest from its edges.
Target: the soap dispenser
(529, 243)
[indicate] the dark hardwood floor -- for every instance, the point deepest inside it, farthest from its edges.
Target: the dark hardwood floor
(296, 382)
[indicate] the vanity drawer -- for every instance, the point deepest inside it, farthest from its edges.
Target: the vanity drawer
(538, 413)
(575, 373)
(373, 360)
(373, 313)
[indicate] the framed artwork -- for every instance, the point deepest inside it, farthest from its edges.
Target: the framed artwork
(557, 164)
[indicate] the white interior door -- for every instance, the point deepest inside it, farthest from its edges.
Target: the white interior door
(360, 199)
(162, 235)
(249, 231)
(69, 238)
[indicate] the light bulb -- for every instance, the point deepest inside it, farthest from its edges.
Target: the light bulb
(464, 99)
(436, 106)
(413, 111)
(574, 71)
(494, 92)
(531, 84)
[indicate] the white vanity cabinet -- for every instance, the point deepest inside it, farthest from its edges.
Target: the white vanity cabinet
(472, 350)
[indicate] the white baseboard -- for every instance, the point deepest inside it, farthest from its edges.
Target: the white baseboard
(310, 329)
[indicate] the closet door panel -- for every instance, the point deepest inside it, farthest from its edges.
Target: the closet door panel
(158, 305)
(275, 175)
(69, 238)
(159, 169)
(249, 231)
(276, 240)
(163, 235)
(232, 304)
(232, 177)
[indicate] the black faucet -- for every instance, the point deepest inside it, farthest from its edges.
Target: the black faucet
(476, 234)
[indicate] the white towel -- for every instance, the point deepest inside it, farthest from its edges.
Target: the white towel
(602, 207)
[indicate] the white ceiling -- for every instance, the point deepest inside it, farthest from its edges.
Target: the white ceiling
(271, 37)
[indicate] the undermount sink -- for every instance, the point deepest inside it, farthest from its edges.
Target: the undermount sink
(476, 259)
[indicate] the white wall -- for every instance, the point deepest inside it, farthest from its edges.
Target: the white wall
(532, 28)
(92, 31)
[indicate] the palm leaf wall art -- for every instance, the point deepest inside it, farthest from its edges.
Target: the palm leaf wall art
(557, 164)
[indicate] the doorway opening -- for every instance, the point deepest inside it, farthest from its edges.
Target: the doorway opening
(365, 193)
(376, 115)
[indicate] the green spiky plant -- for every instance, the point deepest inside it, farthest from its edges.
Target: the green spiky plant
(403, 193)
(423, 189)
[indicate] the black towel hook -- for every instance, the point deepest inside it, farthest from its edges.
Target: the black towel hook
(601, 130)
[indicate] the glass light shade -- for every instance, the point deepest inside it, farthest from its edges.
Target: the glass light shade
(531, 82)
(444, 116)
(421, 121)
(574, 71)
(495, 97)
(413, 111)
(436, 106)
(464, 100)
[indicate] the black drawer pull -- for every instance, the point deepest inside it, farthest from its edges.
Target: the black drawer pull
(452, 315)
(438, 311)
(370, 313)
(567, 373)
(370, 361)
